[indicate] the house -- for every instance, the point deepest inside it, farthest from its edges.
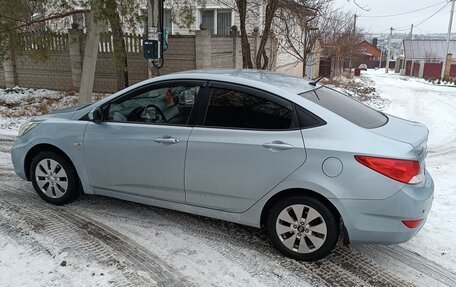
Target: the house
(424, 58)
(219, 17)
(369, 54)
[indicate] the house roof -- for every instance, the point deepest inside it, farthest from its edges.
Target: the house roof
(364, 41)
(427, 49)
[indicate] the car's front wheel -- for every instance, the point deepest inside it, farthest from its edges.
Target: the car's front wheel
(54, 178)
(302, 228)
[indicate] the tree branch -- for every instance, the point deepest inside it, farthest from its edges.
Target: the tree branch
(52, 17)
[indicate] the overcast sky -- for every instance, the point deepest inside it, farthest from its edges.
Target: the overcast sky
(437, 24)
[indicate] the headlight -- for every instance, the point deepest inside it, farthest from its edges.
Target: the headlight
(26, 127)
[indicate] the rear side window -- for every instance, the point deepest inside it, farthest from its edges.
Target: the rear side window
(347, 107)
(307, 119)
(234, 109)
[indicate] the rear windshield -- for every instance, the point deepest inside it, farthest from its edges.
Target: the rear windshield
(346, 107)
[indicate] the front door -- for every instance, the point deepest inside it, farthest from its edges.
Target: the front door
(139, 149)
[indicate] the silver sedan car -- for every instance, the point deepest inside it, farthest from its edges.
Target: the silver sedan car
(301, 160)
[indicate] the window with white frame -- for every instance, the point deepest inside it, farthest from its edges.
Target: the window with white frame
(223, 22)
(207, 17)
(168, 21)
(218, 21)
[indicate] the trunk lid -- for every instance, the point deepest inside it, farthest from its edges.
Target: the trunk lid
(406, 131)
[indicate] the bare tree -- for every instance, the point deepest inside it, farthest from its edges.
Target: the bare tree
(120, 53)
(337, 37)
(246, 54)
(274, 10)
(297, 27)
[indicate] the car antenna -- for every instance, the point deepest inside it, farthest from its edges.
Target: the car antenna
(314, 83)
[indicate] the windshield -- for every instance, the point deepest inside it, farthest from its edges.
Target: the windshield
(346, 107)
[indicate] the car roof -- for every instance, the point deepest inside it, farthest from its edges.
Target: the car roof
(261, 79)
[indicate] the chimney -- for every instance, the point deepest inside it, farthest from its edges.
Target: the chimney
(375, 42)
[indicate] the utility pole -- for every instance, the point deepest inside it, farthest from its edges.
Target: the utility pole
(389, 50)
(448, 41)
(411, 33)
(153, 24)
(354, 35)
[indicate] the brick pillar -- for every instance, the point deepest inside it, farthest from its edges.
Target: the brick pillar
(237, 48)
(421, 72)
(449, 60)
(203, 48)
(9, 68)
(75, 56)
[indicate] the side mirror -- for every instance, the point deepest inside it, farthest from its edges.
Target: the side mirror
(96, 115)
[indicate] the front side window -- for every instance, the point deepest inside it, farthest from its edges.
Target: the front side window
(234, 109)
(166, 105)
(346, 107)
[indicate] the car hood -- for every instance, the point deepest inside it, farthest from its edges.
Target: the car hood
(402, 130)
(65, 113)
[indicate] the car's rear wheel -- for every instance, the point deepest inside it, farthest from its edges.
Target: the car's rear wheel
(54, 178)
(302, 228)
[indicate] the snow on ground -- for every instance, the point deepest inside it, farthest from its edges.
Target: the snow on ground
(434, 106)
(18, 104)
(25, 265)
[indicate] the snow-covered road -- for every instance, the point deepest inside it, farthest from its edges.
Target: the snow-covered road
(108, 242)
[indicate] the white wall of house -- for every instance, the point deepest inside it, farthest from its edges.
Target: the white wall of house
(213, 12)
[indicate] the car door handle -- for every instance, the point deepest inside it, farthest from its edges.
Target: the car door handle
(166, 140)
(278, 145)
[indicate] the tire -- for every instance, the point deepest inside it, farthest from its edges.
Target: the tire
(59, 186)
(303, 239)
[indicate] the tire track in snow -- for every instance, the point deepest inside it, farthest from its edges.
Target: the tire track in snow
(416, 261)
(87, 238)
(344, 267)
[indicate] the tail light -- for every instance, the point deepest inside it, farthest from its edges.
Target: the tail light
(412, 223)
(406, 171)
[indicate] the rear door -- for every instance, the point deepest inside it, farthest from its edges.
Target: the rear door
(245, 143)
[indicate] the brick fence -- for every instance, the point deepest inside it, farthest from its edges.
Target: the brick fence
(63, 66)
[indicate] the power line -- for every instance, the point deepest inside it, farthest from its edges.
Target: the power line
(404, 13)
(362, 7)
(425, 20)
(406, 28)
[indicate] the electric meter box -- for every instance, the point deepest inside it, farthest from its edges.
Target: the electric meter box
(151, 49)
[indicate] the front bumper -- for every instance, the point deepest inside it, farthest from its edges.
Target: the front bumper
(380, 221)
(18, 153)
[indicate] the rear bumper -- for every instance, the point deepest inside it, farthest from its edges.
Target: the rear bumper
(380, 221)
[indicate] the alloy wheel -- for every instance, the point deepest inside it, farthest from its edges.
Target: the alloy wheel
(301, 228)
(51, 178)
